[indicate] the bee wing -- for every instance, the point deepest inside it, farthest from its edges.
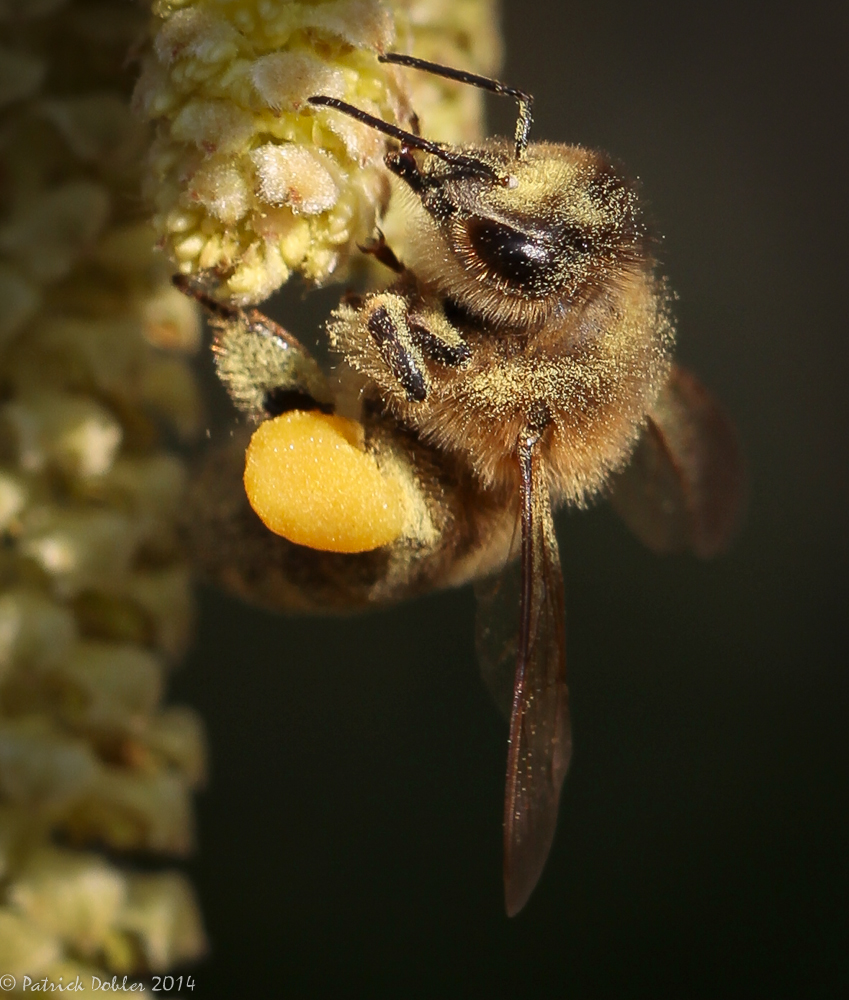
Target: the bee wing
(496, 635)
(540, 734)
(685, 486)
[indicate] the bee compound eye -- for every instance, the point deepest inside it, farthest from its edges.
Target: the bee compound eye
(519, 259)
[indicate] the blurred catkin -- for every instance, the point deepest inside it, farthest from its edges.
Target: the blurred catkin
(95, 603)
(248, 181)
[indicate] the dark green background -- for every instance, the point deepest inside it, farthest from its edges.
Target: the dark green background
(350, 839)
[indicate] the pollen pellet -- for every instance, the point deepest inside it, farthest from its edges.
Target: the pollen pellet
(309, 481)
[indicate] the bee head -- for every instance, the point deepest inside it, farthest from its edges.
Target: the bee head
(517, 240)
(514, 233)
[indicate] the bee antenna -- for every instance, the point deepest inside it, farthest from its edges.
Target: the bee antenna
(467, 163)
(525, 101)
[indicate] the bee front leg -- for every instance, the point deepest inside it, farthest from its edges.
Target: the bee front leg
(392, 337)
(383, 253)
(389, 329)
(439, 341)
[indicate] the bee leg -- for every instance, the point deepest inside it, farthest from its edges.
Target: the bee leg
(453, 530)
(265, 370)
(382, 252)
(220, 312)
(391, 333)
(391, 340)
(443, 347)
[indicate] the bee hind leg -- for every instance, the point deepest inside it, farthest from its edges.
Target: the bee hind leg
(452, 531)
(265, 369)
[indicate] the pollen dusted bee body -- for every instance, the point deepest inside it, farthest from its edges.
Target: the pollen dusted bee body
(520, 356)
(532, 303)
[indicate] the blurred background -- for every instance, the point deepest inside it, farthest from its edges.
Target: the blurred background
(350, 839)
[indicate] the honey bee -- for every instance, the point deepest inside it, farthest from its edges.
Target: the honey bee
(521, 360)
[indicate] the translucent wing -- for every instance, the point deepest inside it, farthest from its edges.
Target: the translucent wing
(540, 737)
(685, 485)
(496, 633)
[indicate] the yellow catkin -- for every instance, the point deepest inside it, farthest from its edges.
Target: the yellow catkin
(309, 480)
(246, 179)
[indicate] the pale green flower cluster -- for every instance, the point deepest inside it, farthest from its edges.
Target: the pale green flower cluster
(249, 181)
(95, 604)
